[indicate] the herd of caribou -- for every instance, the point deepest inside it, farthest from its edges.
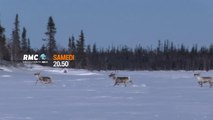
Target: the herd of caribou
(118, 80)
(126, 80)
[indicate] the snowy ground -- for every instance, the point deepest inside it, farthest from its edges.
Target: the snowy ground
(86, 95)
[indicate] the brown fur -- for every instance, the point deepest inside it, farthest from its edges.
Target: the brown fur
(43, 79)
(203, 80)
(119, 80)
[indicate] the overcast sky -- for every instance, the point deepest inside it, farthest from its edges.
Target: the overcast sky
(114, 22)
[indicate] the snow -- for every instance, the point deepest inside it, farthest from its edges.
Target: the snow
(90, 95)
(5, 69)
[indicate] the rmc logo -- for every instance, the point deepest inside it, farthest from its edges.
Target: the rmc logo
(30, 57)
(34, 57)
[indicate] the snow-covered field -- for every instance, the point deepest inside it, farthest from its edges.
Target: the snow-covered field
(90, 95)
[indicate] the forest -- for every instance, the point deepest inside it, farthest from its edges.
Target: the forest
(166, 56)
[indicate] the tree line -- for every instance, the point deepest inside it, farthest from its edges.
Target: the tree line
(166, 56)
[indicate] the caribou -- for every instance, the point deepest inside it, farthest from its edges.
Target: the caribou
(202, 80)
(43, 79)
(119, 80)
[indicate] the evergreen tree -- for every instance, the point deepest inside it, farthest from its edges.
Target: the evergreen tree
(16, 49)
(94, 57)
(73, 48)
(51, 31)
(2, 42)
(88, 57)
(94, 49)
(88, 50)
(81, 57)
(24, 45)
(29, 50)
(71, 45)
(42, 49)
(4, 54)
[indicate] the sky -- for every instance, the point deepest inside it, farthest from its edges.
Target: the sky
(113, 22)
